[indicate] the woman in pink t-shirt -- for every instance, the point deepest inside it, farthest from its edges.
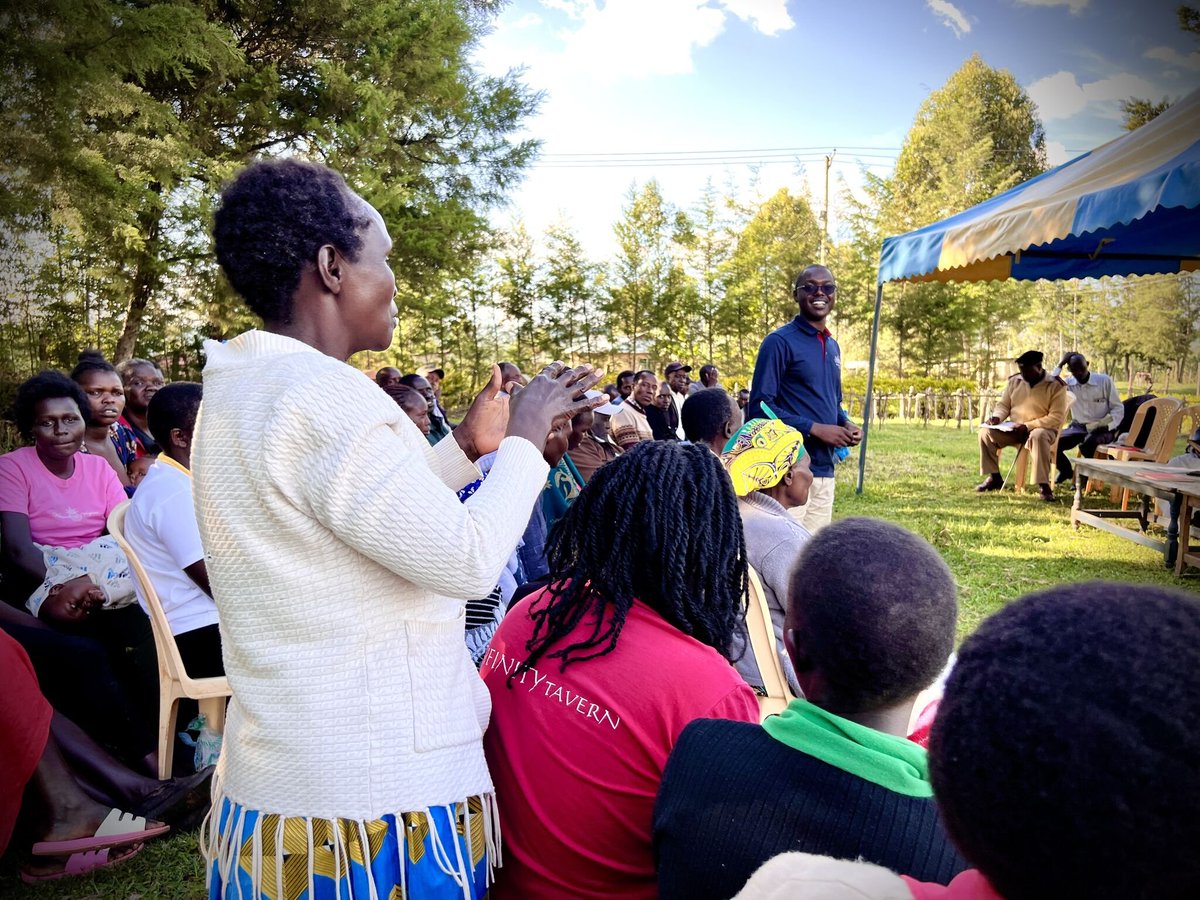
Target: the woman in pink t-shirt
(54, 499)
(593, 678)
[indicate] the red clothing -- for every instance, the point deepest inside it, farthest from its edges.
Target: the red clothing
(63, 512)
(24, 729)
(969, 885)
(577, 756)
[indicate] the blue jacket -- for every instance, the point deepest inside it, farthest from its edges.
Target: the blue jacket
(798, 374)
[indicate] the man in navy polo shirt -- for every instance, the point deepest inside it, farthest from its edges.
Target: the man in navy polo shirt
(798, 374)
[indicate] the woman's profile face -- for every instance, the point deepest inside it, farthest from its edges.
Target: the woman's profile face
(57, 428)
(368, 294)
(106, 395)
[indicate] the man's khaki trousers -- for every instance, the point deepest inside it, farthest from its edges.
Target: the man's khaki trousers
(1041, 449)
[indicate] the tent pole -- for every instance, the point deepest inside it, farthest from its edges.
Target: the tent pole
(866, 426)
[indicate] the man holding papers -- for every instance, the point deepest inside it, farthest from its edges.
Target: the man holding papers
(1030, 413)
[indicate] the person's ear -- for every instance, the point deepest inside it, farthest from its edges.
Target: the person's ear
(793, 643)
(180, 438)
(329, 268)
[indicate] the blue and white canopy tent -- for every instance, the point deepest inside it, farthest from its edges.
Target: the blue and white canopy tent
(1129, 207)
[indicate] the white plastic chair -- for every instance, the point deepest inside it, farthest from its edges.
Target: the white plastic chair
(174, 681)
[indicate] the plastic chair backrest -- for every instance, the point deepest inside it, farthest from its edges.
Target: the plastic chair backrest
(170, 664)
(766, 653)
(1165, 428)
(1147, 435)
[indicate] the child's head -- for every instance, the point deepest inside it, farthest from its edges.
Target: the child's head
(1065, 757)
(871, 616)
(69, 603)
(137, 469)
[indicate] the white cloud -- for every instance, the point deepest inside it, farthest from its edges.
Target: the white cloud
(767, 16)
(951, 16)
(575, 9)
(1056, 153)
(1060, 96)
(1076, 6)
(529, 20)
(607, 41)
(1173, 57)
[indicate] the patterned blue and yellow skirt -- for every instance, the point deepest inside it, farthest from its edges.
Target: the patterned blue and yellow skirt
(440, 852)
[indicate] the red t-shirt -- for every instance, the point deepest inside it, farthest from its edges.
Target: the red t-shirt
(577, 756)
(63, 512)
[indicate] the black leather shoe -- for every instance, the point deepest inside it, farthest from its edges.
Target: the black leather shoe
(1045, 492)
(992, 483)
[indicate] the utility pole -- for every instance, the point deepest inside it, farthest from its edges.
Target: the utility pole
(825, 213)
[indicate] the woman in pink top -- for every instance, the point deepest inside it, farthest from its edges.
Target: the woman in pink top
(54, 505)
(593, 678)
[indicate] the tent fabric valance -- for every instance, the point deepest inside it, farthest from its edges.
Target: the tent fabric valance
(1130, 207)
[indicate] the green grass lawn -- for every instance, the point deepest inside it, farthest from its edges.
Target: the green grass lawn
(999, 546)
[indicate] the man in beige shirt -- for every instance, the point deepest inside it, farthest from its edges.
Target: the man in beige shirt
(1035, 405)
(629, 425)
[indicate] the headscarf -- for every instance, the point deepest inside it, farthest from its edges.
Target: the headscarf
(760, 454)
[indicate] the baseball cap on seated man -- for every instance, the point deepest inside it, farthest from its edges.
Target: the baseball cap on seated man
(1030, 358)
(608, 409)
(426, 371)
(676, 367)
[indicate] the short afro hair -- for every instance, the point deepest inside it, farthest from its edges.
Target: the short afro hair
(49, 385)
(174, 406)
(1064, 753)
(705, 414)
(876, 607)
(273, 218)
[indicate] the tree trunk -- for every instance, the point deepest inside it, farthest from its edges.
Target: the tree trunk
(145, 281)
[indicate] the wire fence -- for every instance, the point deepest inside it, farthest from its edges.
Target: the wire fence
(924, 406)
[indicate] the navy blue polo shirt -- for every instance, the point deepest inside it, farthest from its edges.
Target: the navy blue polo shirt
(798, 374)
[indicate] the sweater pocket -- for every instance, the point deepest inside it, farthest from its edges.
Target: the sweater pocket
(440, 673)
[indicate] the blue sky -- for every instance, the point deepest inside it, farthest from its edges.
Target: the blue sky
(722, 83)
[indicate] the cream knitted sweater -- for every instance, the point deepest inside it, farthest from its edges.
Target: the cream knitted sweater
(340, 559)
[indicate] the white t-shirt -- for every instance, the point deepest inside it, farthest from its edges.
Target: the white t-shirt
(161, 528)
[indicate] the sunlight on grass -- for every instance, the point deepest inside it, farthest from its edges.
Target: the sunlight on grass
(999, 545)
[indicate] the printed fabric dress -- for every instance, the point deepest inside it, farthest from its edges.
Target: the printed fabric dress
(419, 853)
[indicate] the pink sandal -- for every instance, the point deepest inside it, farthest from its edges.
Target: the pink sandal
(117, 829)
(82, 863)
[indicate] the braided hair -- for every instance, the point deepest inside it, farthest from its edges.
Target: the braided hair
(660, 524)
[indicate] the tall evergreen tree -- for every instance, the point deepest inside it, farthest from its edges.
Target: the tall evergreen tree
(121, 120)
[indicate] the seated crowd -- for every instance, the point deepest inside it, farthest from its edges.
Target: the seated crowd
(612, 742)
(629, 756)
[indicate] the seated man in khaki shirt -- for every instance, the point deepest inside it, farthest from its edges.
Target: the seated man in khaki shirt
(1037, 403)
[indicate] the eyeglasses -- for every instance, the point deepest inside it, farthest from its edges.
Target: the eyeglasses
(810, 289)
(140, 383)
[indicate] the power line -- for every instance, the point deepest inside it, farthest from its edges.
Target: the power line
(821, 149)
(612, 164)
